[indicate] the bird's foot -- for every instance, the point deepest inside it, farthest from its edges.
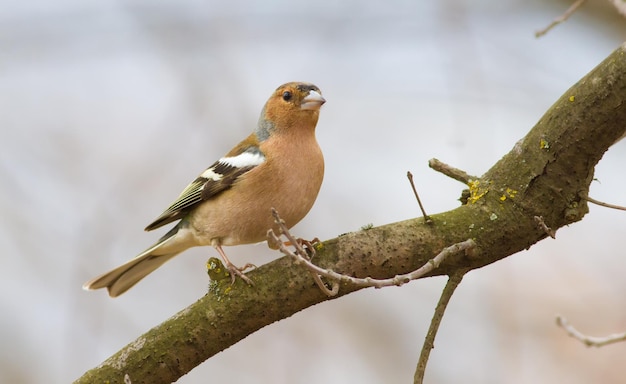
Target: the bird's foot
(236, 271)
(233, 269)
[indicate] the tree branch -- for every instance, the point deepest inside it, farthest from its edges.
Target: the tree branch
(546, 174)
(589, 341)
(429, 341)
(450, 171)
(427, 219)
(607, 205)
(562, 18)
(301, 257)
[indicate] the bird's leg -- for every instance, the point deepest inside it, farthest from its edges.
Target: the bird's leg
(233, 269)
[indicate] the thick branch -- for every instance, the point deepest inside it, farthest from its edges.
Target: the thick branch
(300, 256)
(546, 174)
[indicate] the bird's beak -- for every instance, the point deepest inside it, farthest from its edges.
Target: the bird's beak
(312, 101)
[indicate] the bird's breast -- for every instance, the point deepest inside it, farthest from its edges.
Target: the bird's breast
(289, 181)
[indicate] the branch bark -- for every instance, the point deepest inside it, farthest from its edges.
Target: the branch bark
(546, 174)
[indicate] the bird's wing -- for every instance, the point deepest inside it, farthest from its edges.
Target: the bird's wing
(217, 178)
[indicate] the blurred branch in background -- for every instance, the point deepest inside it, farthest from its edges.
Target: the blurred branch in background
(566, 15)
(620, 7)
(589, 341)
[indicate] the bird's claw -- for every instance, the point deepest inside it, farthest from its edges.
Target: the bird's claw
(236, 271)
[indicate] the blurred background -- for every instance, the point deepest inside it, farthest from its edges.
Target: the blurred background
(108, 109)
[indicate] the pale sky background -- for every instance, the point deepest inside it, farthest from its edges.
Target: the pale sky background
(109, 108)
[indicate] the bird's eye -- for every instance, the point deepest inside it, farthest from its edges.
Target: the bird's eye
(287, 95)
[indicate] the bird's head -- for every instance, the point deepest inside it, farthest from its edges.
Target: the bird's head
(292, 105)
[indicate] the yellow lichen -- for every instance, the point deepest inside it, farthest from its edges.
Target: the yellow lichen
(508, 194)
(476, 193)
(571, 98)
(216, 270)
(543, 144)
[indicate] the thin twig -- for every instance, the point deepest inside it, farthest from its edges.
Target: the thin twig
(300, 256)
(450, 171)
(589, 341)
(574, 7)
(427, 218)
(544, 227)
(429, 341)
(304, 252)
(597, 202)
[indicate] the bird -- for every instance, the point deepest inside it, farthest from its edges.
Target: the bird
(279, 165)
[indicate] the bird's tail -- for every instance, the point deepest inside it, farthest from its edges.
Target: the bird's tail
(122, 278)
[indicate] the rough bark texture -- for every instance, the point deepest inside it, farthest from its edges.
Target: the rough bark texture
(547, 174)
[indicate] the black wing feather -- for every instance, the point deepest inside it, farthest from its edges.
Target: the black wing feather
(200, 190)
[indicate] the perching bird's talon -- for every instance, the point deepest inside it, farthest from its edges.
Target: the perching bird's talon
(217, 270)
(247, 266)
(235, 271)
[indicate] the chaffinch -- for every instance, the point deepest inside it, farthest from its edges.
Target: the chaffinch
(279, 165)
